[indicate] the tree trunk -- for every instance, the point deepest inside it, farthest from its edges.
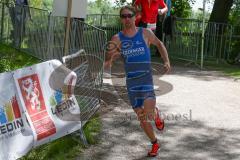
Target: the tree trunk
(221, 10)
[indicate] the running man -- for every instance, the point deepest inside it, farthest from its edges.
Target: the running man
(132, 44)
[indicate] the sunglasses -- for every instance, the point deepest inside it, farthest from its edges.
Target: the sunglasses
(127, 15)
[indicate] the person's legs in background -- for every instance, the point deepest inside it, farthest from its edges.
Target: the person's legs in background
(159, 31)
(18, 14)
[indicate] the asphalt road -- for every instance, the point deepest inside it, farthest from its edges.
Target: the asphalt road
(202, 114)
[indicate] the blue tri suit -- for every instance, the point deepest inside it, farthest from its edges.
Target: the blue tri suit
(137, 63)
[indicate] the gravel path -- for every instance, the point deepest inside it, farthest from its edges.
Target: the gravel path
(201, 110)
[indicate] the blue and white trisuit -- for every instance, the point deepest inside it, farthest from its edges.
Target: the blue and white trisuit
(137, 63)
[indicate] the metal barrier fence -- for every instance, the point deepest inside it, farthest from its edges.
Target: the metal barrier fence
(234, 57)
(110, 23)
(38, 33)
(185, 41)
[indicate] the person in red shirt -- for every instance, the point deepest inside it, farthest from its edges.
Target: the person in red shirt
(148, 11)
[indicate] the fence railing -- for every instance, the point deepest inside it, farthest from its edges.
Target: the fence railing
(187, 36)
(38, 33)
(110, 23)
(185, 40)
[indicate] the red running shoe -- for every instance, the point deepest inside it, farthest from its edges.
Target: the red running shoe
(154, 150)
(158, 121)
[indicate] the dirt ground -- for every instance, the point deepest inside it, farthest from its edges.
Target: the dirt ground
(201, 110)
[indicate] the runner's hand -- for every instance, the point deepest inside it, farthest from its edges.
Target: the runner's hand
(167, 67)
(160, 12)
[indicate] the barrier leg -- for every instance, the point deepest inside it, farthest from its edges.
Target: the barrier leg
(83, 137)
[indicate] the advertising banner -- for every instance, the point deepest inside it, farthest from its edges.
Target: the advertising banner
(46, 93)
(16, 137)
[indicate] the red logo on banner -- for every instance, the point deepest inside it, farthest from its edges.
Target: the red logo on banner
(35, 104)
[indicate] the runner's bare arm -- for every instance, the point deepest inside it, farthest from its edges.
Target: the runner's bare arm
(137, 6)
(163, 8)
(113, 51)
(152, 39)
(162, 11)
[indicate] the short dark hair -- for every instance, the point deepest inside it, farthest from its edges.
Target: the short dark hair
(130, 8)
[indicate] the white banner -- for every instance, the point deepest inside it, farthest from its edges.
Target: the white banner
(16, 137)
(79, 8)
(46, 94)
(37, 105)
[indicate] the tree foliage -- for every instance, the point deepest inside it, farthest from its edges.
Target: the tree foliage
(182, 8)
(100, 7)
(235, 12)
(42, 4)
(120, 3)
(36, 3)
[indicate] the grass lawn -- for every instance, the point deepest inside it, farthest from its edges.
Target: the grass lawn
(67, 147)
(229, 70)
(12, 59)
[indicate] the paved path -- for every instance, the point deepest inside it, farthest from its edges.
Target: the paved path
(202, 114)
